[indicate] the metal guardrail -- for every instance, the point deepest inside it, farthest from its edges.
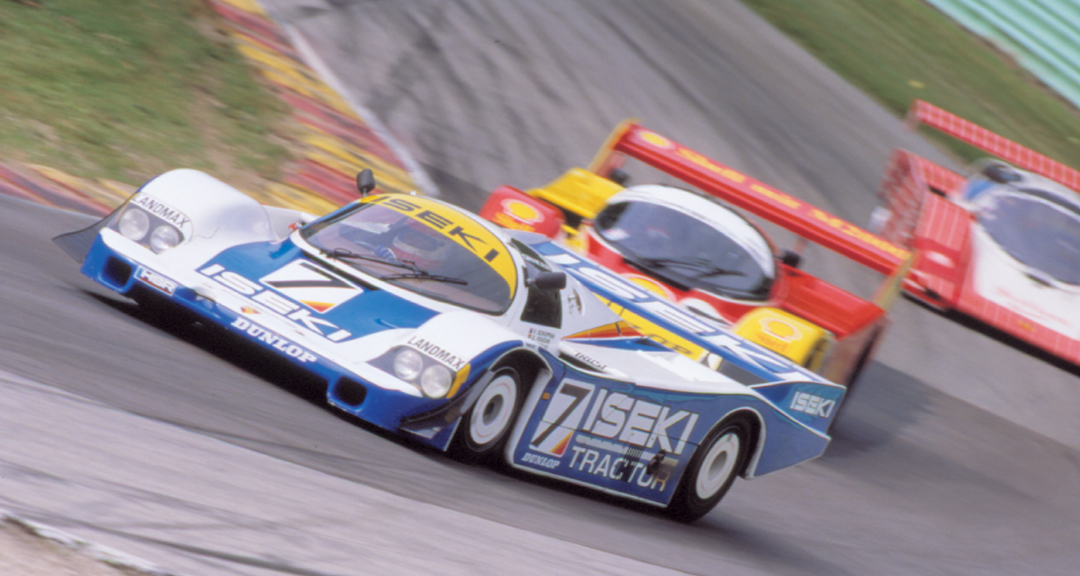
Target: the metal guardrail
(1042, 35)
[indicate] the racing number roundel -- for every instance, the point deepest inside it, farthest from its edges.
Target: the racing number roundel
(779, 329)
(656, 139)
(522, 211)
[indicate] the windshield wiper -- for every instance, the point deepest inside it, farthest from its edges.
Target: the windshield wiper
(425, 275)
(343, 253)
(701, 266)
(415, 272)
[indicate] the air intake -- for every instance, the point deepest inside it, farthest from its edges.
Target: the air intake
(350, 392)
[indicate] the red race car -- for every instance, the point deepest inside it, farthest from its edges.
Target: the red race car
(1000, 245)
(691, 245)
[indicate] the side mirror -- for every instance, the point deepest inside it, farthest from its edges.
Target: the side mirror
(549, 281)
(1000, 173)
(365, 181)
(619, 176)
(790, 258)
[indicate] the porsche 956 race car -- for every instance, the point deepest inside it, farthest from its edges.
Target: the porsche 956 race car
(693, 247)
(431, 323)
(1000, 244)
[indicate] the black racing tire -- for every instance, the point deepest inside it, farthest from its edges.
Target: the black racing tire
(711, 471)
(485, 428)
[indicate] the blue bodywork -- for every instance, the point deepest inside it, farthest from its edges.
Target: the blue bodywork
(576, 424)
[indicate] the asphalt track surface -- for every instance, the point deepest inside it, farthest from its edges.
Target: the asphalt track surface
(957, 455)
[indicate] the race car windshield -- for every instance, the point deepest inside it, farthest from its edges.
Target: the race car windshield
(1042, 235)
(682, 250)
(407, 253)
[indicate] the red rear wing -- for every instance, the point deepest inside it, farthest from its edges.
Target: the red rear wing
(738, 189)
(966, 131)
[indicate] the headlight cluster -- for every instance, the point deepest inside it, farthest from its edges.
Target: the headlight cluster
(147, 229)
(430, 376)
(433, 379)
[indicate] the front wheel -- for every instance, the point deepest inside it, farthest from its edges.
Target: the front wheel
(711, 471)
(483, 431)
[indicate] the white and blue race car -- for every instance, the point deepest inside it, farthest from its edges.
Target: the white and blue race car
(427, 321)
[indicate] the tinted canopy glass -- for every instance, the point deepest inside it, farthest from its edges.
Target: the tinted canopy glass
(1041, 234)
(409, 249)
(683, 250)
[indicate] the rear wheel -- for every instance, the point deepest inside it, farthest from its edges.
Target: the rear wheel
(483, 431)
(711, 471)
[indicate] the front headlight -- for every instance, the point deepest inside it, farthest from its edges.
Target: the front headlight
(407, 364)
(432, 378)
(435, 381)
(134, 224)
(163, 238)
(148, 229)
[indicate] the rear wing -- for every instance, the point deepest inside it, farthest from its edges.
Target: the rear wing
(631, 140)
(979, 137)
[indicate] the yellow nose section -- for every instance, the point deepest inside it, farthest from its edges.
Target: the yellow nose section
(798, 340)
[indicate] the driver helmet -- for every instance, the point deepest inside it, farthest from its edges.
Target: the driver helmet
(421, 245)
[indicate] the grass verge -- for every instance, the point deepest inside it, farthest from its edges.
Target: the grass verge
(126, 89)
(899, 50)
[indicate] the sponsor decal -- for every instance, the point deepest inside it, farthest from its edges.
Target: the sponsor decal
(629, 468)
(510, 222)
(595, 431)
(456, 226)
(281, 344)
(859, 234)
(778, 334)
(311, 285)
(590, 361)
(656, 139)
(275, 302)
(542, 337)
(605, 414)
(164, 211)
(705, 162)
(812, 405)
(776, 195)
(651, 285)
(542, 461)
(155, 280)
(521, 211)
(440, 355)
(780, 329)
